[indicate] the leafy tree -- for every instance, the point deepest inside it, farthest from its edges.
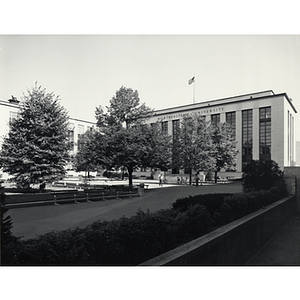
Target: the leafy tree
(84, 159)
(223, 148)
(36, 148)
(193, 144)
(125, 107)
(138, 146)
(129, 149)
(159, 154)
(126, 140)
(263, 175)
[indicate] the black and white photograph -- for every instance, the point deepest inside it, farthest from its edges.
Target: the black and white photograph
(124, 152)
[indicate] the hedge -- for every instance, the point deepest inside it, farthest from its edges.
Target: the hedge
(131, 241)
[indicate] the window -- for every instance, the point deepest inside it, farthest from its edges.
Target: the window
(265, 133)
(215, 119)
(71, 135)
(13, 115)
(247, 139)
(175, 154)
(164, 127)
(80, 133)
(175, 126)
(231, 120)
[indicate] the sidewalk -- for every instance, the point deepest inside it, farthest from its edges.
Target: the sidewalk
(283, 249)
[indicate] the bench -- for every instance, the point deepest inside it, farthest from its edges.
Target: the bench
(57, 198)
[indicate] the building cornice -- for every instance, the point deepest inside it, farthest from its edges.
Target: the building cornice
(78, 120)
(222, 101)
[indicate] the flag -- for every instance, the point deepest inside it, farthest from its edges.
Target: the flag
(192, 80)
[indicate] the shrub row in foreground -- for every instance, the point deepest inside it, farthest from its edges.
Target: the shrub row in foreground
(130, 241)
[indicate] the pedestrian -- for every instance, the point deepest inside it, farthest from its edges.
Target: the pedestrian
(160, 179)
(178, 180)
(181, 180)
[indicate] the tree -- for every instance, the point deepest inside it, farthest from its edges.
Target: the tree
(263, 175)
(129, 147)
(85, 159)
(125, 107)
(160, 148)
(193, 144)
(36, 148)
(223, 148)
(129, 142)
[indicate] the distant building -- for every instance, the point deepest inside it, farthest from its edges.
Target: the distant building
(297, 153)
(9, 110)
(263, 124)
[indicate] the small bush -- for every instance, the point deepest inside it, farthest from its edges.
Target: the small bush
(263, 175)
(211, 201)
(193, 222)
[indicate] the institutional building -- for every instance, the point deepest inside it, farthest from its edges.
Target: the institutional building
(9, 110)
(263, 124)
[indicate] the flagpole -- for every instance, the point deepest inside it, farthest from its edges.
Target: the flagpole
(194, 89)
(193, 81)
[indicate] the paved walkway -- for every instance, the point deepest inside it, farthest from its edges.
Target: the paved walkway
(283, 249)
(31, 221)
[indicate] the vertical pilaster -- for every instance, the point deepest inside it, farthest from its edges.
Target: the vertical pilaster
(222, 118)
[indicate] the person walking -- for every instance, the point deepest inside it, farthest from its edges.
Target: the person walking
(160, 180)
(181, 180)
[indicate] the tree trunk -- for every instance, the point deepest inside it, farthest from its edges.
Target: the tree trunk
(216, 176)
(130, 171)
(190, 176)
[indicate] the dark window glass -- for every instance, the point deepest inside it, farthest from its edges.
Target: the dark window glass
(175, 155)
(247, 139)
(265, 133)
(231, 120)
(215, 119)
(164, 127)
(175, 126)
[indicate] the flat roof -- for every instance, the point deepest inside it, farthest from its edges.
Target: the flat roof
(16, 105)
(214, 102)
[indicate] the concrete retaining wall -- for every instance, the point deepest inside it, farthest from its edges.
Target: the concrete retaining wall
(232, 244)
(292, 178)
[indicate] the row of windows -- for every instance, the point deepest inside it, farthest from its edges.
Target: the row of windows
(247, 132)
(215, 119)
(80, 132)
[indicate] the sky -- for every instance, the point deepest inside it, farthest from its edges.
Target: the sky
(87, 70)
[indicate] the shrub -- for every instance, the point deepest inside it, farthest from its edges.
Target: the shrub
(6, 220)
(263, 175)
(211, 201)
(193, 222)
(130, 241)
(224, 216)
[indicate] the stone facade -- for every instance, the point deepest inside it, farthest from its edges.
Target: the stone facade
(267, 117)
